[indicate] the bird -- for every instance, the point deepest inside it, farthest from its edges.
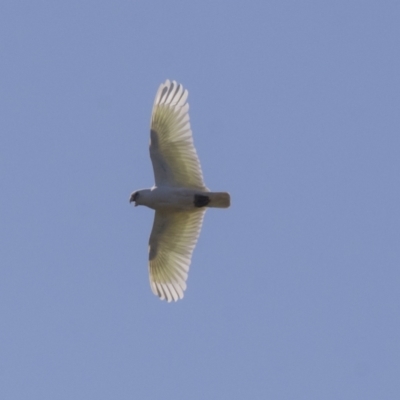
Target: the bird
(179, 196)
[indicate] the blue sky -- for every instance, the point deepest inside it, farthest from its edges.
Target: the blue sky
(293, 292)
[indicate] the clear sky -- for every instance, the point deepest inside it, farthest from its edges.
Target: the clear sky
(293, 292)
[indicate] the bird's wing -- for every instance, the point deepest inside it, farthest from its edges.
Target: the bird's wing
(172, 152)
(172, 240)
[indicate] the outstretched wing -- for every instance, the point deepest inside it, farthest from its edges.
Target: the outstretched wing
(172, 240)
(174, 158)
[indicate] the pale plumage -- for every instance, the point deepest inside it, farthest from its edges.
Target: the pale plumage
(174, 158)
(172, 241)
(179, 195)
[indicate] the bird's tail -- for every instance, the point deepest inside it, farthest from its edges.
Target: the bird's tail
(218, 199)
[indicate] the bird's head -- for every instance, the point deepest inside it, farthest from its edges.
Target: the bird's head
(134, 197)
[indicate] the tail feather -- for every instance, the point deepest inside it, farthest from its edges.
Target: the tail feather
(219, 199)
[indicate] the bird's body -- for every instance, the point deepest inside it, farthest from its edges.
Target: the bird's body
(165, 198)
(179, 196)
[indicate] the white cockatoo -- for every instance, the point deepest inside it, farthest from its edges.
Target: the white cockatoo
(179, 196)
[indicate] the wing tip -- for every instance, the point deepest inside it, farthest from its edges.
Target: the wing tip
(166, 94)
(168, 291)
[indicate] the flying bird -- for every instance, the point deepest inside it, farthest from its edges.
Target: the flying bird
(179, 196)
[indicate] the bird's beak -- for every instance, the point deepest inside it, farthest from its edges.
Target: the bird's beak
(131, 200)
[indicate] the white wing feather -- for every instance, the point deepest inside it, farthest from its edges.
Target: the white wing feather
(172, 241)
(172, 152)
